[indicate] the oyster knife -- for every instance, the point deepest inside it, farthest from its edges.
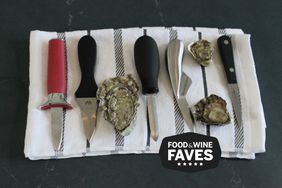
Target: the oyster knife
(226, 53)
(147, 63)
(86, 92)
(179, 80)
(56, 87)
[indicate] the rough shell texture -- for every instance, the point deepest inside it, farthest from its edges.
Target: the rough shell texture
(119, 101)
(212, 110)
(202, 51)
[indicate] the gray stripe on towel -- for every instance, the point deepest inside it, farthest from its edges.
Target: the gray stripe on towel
(178, 117)
(204, 83)
(119, 59)
(60, 152)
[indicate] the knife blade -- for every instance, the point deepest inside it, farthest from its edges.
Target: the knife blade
(147, 63)
(86, 92)
(179, 80)
(56, 87)
(226, 53)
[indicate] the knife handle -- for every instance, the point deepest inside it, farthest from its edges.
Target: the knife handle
(226, 52)
(147, 62)
(56, 67)
(87, 51)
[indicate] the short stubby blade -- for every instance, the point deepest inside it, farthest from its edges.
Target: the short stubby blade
(88, 107)
(152, 116)
(57, 127)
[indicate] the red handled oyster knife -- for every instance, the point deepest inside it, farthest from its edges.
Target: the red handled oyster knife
(56, 87)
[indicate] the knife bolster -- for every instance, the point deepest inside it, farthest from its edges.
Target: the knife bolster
(56, 100)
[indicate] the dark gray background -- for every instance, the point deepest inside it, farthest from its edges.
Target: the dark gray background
(260, 18)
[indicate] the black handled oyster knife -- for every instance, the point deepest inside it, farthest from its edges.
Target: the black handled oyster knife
(147, 63)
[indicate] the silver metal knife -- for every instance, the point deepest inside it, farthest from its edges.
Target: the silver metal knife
(86, 92)
(226, 52)
(179, 80)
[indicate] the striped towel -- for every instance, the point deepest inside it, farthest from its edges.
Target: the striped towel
(115, 57)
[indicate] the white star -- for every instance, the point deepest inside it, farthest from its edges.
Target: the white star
(178, 164)
(190, 164)
(195, 164)
(184, 164)
(201, 164)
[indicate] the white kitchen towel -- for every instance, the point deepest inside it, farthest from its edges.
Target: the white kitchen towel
(115, 57)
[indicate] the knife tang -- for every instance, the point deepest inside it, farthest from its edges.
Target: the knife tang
(226, 52)
(87, 51)
(147, 63)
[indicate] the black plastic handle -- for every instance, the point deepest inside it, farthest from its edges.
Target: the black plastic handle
(147, 62)
(87, 51)
(226, 52)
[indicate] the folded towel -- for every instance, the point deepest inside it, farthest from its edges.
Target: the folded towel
(115, 57)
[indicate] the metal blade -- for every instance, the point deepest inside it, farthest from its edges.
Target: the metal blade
(152, 116)
(57, 127)
(236, 102)
(88, 107)
(185, 83)
(185, 110)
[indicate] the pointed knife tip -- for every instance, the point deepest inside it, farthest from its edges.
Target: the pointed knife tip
(155, 137)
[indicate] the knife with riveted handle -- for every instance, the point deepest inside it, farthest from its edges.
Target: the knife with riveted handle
(56, 87)
(226, 52)
(147, 63)
(86, 92)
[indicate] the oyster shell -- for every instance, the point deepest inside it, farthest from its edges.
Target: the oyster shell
(212, 110)
(202, 51)
(119, 101)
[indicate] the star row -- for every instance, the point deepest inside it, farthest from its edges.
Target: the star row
(189, 164)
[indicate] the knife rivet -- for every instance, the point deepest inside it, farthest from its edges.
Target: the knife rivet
(231, 69)
(226, 42)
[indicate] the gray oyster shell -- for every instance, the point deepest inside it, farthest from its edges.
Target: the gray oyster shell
(211, 110)
(202, 51)
(119, 101)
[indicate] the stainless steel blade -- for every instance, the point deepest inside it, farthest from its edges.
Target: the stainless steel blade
(185, 110)
(175, 52)
(88, 107)
(179, 80)
(152, 116)
(236, 102)
(57, 127)
(185, 83)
